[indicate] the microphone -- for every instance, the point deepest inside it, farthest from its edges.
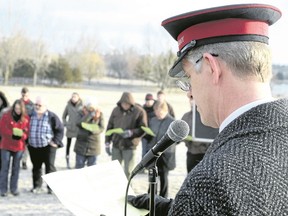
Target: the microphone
(177, 131)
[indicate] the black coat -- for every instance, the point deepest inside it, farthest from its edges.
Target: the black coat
(57, 128)
(5, 103)
(244, 171)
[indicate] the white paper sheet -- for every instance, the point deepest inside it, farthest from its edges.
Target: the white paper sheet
(95, 190)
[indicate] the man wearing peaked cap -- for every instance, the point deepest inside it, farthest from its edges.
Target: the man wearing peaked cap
(224, 64)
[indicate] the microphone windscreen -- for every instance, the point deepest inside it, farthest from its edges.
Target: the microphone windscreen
(178, 130)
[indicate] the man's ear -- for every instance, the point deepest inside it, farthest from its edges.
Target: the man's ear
(215, 70)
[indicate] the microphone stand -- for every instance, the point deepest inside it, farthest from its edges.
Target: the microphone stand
(152, 176)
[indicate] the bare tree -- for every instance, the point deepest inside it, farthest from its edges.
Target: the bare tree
(40, 59)
(92, 65)
(162, 65)
(144, 68)
(117, 65)
(10, 51)
(86, 58)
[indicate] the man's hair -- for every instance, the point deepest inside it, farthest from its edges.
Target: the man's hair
(244, 58)
(24, 90)
(161, 106)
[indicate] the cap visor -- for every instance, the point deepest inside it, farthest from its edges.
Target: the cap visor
(177, 69)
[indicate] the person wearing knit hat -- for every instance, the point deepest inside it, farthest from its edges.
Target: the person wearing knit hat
(224, 64)
(148, 97)
(88, 142)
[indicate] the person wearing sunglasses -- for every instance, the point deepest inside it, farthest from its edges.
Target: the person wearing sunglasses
(224, 64)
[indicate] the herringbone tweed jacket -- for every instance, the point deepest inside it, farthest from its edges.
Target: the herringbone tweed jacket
(245, 170)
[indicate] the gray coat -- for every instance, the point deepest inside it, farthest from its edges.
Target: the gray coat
(71, 116)
(244, 171)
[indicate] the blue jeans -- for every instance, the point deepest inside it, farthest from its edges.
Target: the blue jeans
(81, 160)
(5, 160)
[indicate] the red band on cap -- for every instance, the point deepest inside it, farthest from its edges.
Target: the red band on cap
(223, 27)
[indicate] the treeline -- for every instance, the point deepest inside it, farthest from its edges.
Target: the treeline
(21, 57)
(280, 72)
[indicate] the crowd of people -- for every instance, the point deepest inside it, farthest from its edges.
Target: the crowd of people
(30, 130)
(27, 129)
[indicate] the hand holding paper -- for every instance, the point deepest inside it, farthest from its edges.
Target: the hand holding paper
(17, 132)
(90, 127)
(114, 130)
(189, 138)
(127, 134)
(148, 131)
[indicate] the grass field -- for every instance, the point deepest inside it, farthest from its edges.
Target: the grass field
(48, 205)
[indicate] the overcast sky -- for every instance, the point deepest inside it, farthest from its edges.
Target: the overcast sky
(116, 23)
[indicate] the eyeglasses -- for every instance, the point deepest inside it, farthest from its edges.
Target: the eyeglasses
(215, 55)
(184, 82)
(37, 105)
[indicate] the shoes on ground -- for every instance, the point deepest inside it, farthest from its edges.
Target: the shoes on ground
(15, 193)
(24, 166)
(3, 194)
(36, 190)
(50, 191)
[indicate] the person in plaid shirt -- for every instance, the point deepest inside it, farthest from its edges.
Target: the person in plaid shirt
(46, 134)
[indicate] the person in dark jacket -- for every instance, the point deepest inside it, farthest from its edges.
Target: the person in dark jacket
(88, 142)
(4, 104)
(224, 64)
(14, 129)
(161, 96)
(149, 108)
(159, 125)
(46, 134)
(70, 118)
(29, 106)
(129, 117)
(25, 97)
(195, 149)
